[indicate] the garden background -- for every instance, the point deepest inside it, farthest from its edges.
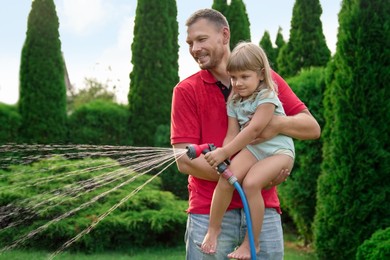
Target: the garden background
(337, 194)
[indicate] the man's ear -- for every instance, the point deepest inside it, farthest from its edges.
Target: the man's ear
(226, 35)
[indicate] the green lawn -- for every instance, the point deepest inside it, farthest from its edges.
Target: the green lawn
(293, 252)
(166, 254)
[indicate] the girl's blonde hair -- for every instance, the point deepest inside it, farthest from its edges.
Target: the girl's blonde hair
(249, 56)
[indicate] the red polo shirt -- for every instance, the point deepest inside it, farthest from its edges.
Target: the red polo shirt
(199, 116)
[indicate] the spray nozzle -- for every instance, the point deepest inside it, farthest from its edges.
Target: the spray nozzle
(195, 150)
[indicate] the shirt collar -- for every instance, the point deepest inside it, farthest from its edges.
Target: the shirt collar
(207, 77)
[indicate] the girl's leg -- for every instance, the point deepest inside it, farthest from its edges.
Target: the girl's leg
(258, 177)
(222, 197)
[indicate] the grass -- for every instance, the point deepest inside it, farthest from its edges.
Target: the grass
(152, 254)
(293, 251)
(294, 248)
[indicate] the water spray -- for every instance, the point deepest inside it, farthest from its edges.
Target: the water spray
(194, 151)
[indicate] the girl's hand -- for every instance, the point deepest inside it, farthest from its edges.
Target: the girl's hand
(216, 157)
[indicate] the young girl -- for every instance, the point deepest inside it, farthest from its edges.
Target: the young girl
(253, 103)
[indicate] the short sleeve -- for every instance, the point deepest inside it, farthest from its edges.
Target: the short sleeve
(230, 110)
(291, 103)
(184, 117)
(266, 96)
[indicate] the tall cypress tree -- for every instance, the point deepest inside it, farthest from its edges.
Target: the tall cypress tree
(42, 101)
(306, 46)
(221, 6)
(353, 189)
(155, 68)
(266, 44)
(238, 22)
(279, 42)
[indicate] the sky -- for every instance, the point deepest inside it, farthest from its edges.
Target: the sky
(96, 37)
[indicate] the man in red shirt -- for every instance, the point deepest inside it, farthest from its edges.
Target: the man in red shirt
(199, 116)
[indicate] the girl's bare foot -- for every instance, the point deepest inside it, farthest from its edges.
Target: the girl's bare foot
(209, 244)
(243, 252)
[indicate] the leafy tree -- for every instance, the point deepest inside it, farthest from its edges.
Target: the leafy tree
(306, 46)
(42, 102)
(238, 22)
(94, 90)
(354, 184)
(266, 44)
(155, 70)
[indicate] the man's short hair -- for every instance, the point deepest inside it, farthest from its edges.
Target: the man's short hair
(211, 15)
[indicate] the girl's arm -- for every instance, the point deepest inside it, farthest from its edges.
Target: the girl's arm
(260, 119)
(233, 130)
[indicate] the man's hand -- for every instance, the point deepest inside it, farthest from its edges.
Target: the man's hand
(301, 126)
(282, 177)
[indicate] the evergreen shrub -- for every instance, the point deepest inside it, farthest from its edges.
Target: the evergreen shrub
(10, 121)
(375, 248)
(99, 122)
(37, 196)
(298, 194)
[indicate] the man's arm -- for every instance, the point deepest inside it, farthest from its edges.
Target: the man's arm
(198, 167)
(302, 126)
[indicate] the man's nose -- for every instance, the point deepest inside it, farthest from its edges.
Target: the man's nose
(195, 47)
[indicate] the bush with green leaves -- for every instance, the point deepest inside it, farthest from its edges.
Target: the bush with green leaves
(99, 122)
(10, 121)
(375, 248)
(298, 194)
(57, 199)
